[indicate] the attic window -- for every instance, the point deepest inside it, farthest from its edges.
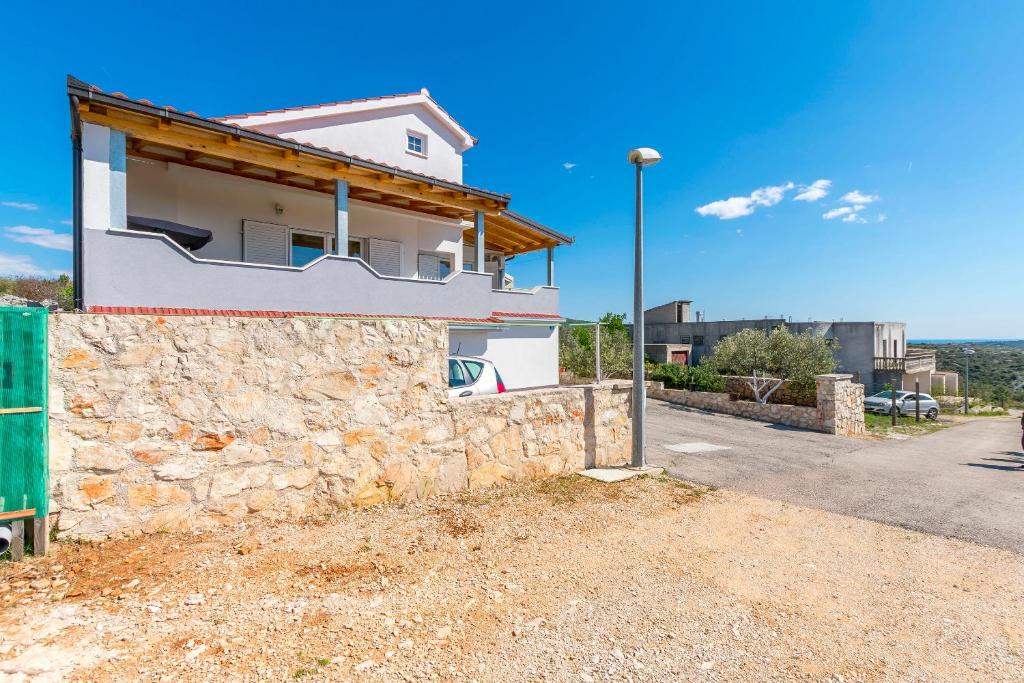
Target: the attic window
(416, 143)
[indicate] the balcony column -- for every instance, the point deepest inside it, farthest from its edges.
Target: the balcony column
(340, 218)
(551, 266)
(478, 218)
(104, 187)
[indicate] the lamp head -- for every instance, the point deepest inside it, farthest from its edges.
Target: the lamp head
(969, 352)
(644, 156)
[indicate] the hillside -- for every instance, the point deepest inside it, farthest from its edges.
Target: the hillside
(993, 364)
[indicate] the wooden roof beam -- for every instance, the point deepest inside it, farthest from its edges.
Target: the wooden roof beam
(188, 138)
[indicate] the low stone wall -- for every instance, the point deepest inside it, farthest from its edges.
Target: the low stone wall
(739, 389)
(839, 410)
(188, 422)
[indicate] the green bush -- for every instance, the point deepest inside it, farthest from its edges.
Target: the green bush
(702, 377)
(576, 348)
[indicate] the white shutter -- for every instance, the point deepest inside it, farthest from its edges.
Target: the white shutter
(264, 243)
(429, 267)
(386, 256)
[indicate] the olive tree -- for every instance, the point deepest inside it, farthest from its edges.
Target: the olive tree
(771, 358)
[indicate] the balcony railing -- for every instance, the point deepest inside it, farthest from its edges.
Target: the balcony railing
(138, 269)
(917, 360)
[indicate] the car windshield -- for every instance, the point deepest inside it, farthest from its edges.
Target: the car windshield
(883, 394)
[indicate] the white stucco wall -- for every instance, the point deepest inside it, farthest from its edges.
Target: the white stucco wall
(220, 202)
(380, 136)
(525, 356)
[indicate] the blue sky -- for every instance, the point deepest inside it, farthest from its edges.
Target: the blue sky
(918, 107)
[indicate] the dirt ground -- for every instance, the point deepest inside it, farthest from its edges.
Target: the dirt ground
(566, 580)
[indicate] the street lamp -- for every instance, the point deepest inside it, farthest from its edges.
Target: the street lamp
(640, 157)
(968, 352)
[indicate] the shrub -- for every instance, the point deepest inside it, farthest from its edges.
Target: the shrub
(702, 377)
(576, 348)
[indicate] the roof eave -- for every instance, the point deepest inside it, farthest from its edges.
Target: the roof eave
(87, 93)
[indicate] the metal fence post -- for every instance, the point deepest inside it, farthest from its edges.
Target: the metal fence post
(917, 393)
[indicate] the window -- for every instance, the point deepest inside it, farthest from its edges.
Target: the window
(698, 340)
(307, 246)
(357, 247)
(456, 378)
(684, 339)
(474, 369)
(416, 143)
(434, 266)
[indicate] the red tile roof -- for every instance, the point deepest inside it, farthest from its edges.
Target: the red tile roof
(236, 313)
(496, 317)
(532, 316)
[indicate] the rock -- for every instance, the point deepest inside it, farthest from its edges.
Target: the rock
(155, 495)
(96, 489)
(490, 474)
(193, 599)
(102, 458)
(179, 469)
(213, 442)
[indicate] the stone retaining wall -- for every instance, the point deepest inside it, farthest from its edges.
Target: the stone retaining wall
(840, 408)
(188, 422)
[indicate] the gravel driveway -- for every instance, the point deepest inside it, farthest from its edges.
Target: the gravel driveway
(562, 580)
(965, 481)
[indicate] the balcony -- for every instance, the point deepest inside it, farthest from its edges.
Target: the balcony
(916, 360)
(147, 270)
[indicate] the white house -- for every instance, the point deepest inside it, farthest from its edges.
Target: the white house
(352, 208)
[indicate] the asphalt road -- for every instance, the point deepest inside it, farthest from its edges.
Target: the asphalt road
(965, 481)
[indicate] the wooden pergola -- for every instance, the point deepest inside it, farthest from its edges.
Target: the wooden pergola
(163, 134)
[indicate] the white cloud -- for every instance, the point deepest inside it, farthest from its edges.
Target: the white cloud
(854, 218)
(66, 223)
(841, 211)
(21, 265)
(27, 206)
(739, 232)
(737, 207)
(814, 191)
(41, 237)
(858, 197)
(881, 217)
(568, 166)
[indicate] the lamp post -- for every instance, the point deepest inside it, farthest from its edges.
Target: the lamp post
(640, 157)
(968, 352)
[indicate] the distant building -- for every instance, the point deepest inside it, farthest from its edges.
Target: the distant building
(875, 353)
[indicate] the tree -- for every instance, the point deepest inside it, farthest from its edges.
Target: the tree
(1000, 394)
(576, 348)
(772, 358)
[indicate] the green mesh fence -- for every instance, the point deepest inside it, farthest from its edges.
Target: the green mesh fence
(24, 472)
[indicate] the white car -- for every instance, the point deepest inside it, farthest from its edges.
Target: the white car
(906, 404)
(471, 376)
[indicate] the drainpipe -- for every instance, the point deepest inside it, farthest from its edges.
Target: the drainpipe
(76, 210)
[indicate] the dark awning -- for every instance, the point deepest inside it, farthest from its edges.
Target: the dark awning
(185, 235)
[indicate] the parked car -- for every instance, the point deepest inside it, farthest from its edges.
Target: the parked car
(471, 376)
(906, 404)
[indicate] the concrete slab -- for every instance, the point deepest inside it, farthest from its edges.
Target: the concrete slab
(610, 475)
(695, 447)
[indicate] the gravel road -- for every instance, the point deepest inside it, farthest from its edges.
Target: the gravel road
(563, 580)
(965, 481)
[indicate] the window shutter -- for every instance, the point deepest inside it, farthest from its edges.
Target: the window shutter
(264, 243)
(429, 267)
(386, 257)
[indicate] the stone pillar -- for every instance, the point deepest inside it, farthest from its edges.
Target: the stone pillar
(551, 266)
(840, 405)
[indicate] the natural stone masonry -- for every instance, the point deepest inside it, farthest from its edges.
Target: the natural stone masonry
(839, 410)
(189, 421)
